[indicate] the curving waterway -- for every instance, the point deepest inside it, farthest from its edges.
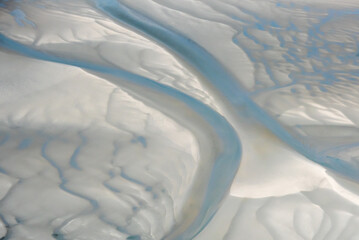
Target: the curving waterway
(123, 120)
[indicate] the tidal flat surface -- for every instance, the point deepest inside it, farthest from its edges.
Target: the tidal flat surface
(191, 119)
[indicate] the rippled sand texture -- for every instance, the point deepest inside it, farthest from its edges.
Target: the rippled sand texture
(159, 119)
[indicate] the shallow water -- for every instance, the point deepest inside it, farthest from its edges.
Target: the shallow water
(179, 120)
